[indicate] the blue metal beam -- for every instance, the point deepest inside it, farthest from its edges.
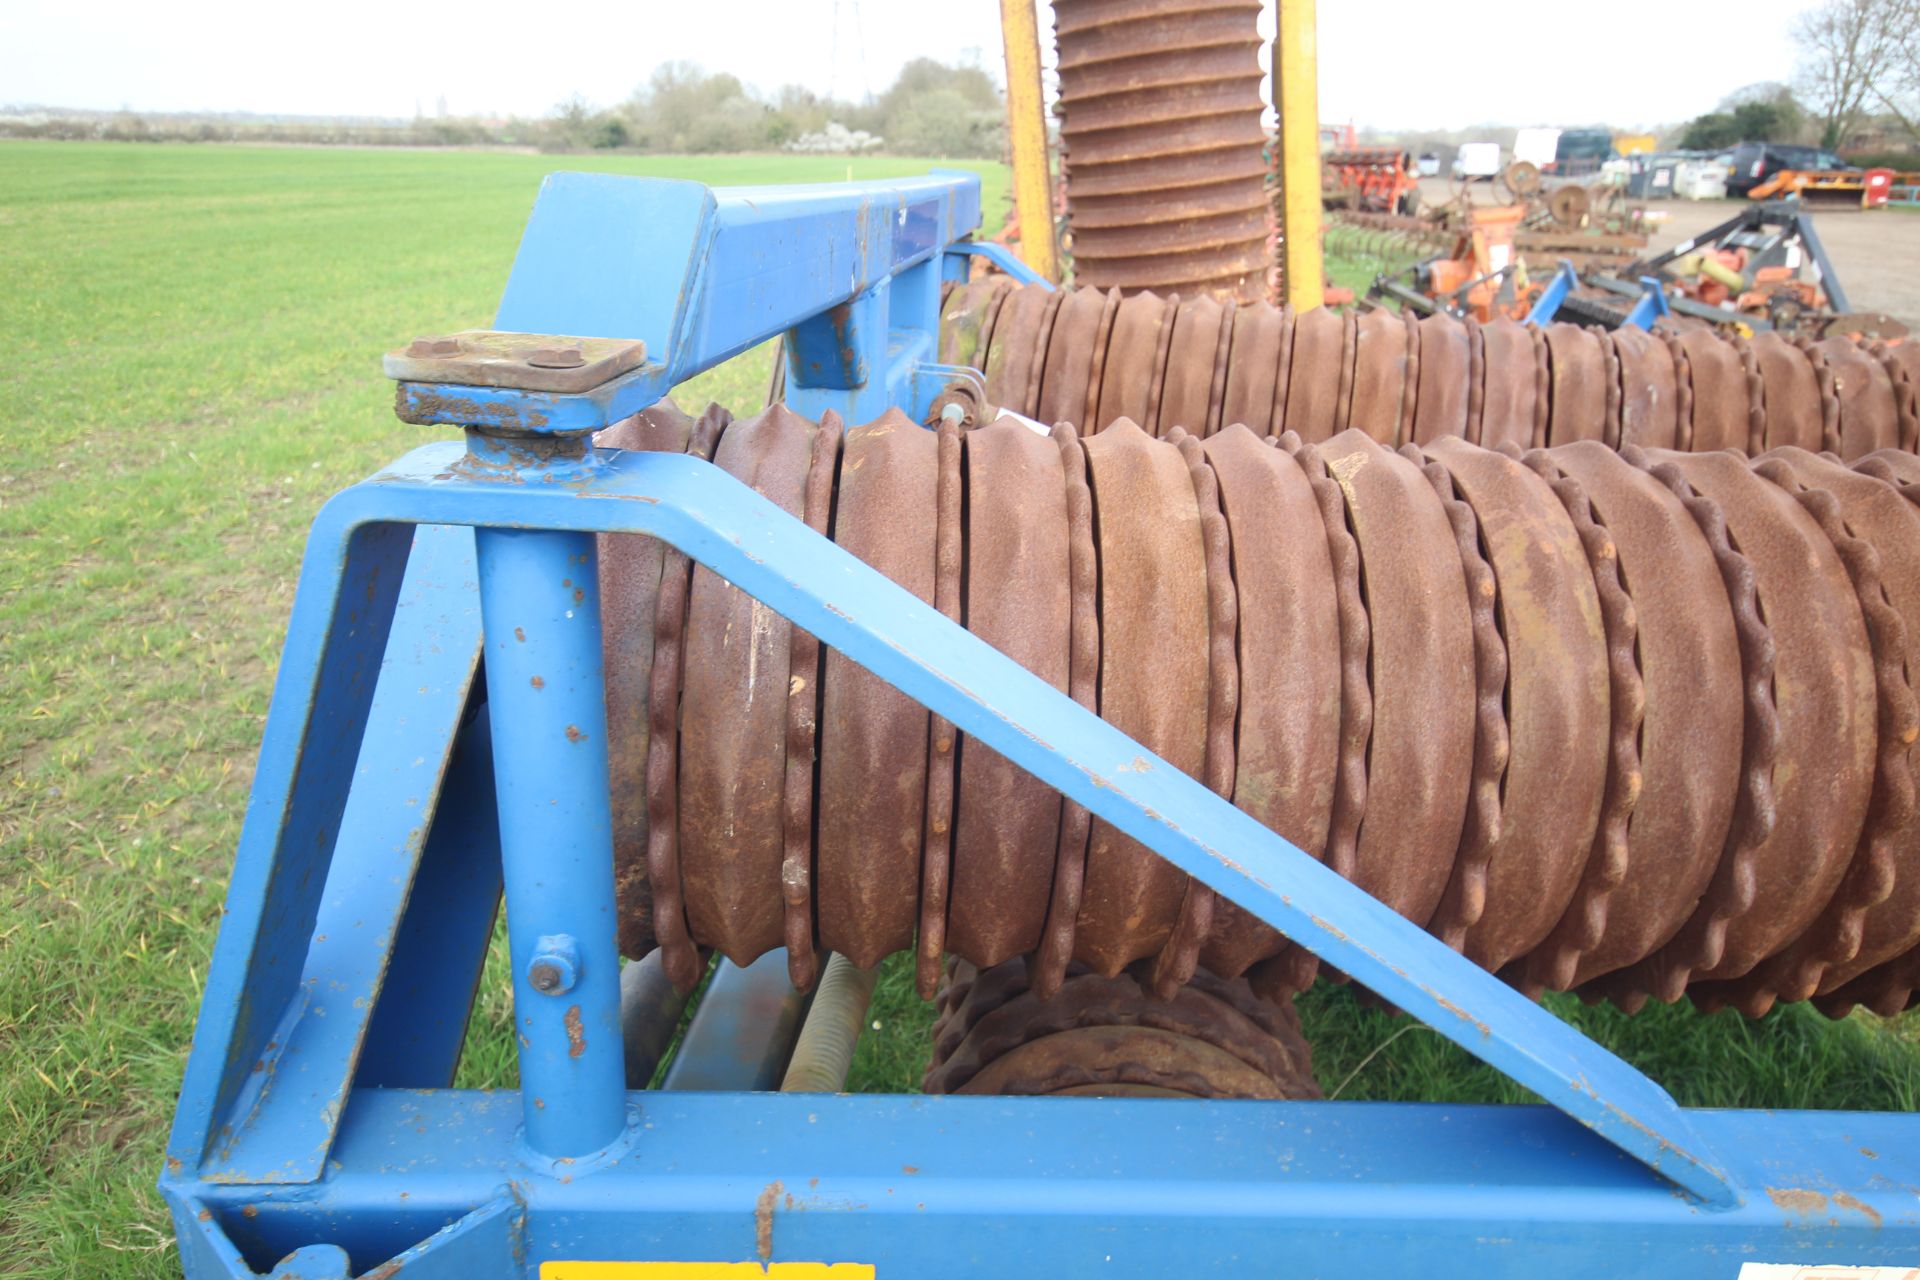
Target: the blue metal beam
(957, 1186)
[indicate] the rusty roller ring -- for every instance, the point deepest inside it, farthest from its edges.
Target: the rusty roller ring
(1412, 389)
(1902, 361)
(1253, 359)
(1554, 962)
(1286, 749)
(1790, 393)
(803, 708)
(1293, 969)
(1690, 733)
(1322, 361)
(1614, 394)
(1577, 384)
(1649, 398)
(1015, 354)
(1756, 395)
(1509, 385)
(1343, 402)
(1461, 909)
(1824, 695)
(1096, 373)
(1283, 372)
(1180, 956)
(1217, 392)
(679, 957)
(1701, 938)
(1682, 389)
(1542, 386)
(1018, 600)
(1070, 361)
(1129, 375)
(1383, 356)
(966, 320)
(936, 857)
(1557, 703)
(1876, 509)
(1718, 392)
(1835, 936)
(873, 738)
(1089, 1000)
(1186, 396)
(630, 567)
(1112, 1061)
(1043, 344)
(1153, 603)
(1889, 989)
(733, 717)
(1421, 672)
(1441, 398)
(1869, 415)
(1163, 348)
(1083, 684)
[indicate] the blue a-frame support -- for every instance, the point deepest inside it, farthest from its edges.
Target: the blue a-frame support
(317, 1135)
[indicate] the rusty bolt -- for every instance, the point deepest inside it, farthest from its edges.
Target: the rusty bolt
(556, 357)
(555, 966)
(420, 348)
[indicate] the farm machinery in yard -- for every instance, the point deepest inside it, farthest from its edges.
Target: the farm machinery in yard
(1462, 661)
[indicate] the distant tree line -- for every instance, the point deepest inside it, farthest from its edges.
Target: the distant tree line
(931, 109)
(1856, 87)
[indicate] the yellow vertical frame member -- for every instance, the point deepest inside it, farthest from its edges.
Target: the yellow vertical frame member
(1296, 97)
(1027, 130)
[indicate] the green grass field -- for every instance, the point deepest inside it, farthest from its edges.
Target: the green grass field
(194, 368)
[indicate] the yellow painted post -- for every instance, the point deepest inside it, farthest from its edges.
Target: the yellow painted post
(1027, 129)
(1296, 96)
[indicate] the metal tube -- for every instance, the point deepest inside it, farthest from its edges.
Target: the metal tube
(650, 1010)
(1027, 132)
(742, 1034)
(540, 609)
(824, 1050)
(1296, 96)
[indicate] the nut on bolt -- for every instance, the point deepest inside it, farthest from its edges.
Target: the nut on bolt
(424, 348)
(555, 966)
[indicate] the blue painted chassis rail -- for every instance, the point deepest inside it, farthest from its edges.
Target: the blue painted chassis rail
(302, 1129)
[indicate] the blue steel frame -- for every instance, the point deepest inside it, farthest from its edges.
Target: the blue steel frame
(399, 795)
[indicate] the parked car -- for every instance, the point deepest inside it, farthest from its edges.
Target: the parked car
(1754, 162)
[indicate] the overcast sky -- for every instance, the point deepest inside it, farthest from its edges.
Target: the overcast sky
(1394, 63)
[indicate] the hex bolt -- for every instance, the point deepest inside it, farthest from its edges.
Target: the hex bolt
(555, 966)
(422, 348)
(556, 357)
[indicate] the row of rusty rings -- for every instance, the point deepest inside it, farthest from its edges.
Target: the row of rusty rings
(1092, 358)
(1629, 722)
(1214, 1038)
(1160, 133)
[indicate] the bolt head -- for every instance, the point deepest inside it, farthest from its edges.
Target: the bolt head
(556, 357)
(425, 348)
(555, 966)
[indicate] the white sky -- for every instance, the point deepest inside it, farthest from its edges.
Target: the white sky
(1395, 63)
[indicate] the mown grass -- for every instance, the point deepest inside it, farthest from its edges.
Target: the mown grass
(193, 368)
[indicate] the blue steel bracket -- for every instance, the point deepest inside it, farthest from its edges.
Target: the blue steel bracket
(1564, 281)
(1005, 259)
(851, 272)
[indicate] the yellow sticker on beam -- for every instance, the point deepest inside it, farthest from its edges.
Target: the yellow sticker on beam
(706, 1271)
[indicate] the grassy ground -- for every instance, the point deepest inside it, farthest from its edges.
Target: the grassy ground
(193, 368)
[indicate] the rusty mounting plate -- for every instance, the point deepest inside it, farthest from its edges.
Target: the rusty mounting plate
(514, 361)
